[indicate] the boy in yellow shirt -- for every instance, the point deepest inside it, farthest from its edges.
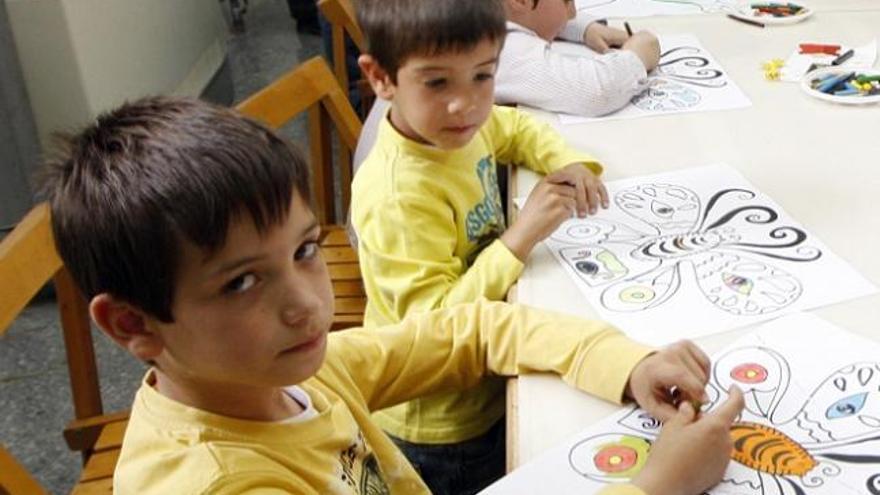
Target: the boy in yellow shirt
(187, 227)
(427, 210)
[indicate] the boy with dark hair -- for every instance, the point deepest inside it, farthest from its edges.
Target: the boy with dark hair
(531, 73)
(187, 227)
(428, 214)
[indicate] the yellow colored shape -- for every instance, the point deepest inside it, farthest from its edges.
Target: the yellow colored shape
(637, 294)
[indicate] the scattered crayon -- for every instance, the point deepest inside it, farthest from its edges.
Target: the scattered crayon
(809, 48)
(746, 21)
(772, 69)
(843, 57)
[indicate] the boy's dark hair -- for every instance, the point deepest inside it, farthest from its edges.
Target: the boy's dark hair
(397, 29)
(126, 192)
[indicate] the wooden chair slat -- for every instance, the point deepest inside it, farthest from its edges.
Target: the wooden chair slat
(103, 486)
(14, 478)
(111, 436)
(348, 288)
(343, 254)
(27, 261)
(350, 305)
(335, 236)
(344, 271)
(100, 465)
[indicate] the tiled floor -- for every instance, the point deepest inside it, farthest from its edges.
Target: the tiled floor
(34, 393)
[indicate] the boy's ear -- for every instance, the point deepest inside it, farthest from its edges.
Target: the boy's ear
(377, 76)
(126, 325)
(515, 9)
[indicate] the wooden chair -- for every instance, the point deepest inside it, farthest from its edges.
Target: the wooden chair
(343, 22)
(14, 478)
(341, 15)
(28, 260)
(311, 87)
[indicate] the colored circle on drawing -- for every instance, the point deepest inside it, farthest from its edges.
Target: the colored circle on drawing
(749, 373)
(615, 458)
(637, 294)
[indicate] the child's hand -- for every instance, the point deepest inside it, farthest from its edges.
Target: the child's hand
(646, 46)
(692, 452)
(589, 190)
(600, 38)
(682, 366)
(549, 204)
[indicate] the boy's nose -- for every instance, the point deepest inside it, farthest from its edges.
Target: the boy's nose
(462, 102)
(299, 302)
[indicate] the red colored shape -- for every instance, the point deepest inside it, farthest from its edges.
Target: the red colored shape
(749, 373)
(615, 458)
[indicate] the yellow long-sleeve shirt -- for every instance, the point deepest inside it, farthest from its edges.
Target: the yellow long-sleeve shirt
(173, 448)
(428, 222)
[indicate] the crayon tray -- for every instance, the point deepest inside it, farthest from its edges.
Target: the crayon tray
(774, 12)
(809, 85)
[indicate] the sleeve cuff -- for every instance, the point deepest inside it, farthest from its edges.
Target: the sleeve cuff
(607, 378)
(622, 489)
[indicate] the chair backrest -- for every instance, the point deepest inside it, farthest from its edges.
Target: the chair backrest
(14, 478)
(341, 15)
(311, 86)
(28, 261)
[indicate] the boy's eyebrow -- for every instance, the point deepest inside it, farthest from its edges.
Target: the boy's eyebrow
(430, 68)
(235, 264)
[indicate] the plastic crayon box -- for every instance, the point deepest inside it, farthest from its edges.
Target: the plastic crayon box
(775, 9)
(847, 84)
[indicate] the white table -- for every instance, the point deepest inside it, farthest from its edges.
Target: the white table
(819, 161)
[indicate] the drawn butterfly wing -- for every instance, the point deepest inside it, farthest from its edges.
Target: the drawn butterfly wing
(742, 285)
(610, 457)
(589, 232)
(643, 291)
(667, 208)
(845, 406)
(760, 372)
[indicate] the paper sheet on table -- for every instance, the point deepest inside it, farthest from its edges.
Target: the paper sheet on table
(797, 64)
(813, 386)
(647, 8)
(687, 79)
(694, 252)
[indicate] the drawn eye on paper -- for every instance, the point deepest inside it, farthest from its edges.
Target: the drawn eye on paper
(735, 266)
(828, 442)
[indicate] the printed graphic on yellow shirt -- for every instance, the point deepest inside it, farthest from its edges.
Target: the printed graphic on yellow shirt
(360, 470)
(485, 221)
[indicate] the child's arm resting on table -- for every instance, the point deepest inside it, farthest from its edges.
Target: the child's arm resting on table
(455, 348)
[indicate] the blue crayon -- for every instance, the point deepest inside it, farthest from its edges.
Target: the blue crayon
(827, 86)
(847, 92)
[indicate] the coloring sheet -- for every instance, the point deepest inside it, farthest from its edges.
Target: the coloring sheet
(647, 8)
(687, 79)
(697, 251)
(811, 424)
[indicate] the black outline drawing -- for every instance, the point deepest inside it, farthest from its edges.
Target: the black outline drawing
(710, 6)
(736, 269)
(678, 68)
(835, 430)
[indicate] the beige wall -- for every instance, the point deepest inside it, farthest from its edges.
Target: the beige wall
(81, 57)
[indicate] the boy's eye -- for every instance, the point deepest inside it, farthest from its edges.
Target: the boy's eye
(484, 76)
(240, 283)
(435, 83)
(306, 251)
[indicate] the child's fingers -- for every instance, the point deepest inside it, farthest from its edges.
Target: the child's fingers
(603, 195)
(583, 195)
(683, 416)
(730, 409)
